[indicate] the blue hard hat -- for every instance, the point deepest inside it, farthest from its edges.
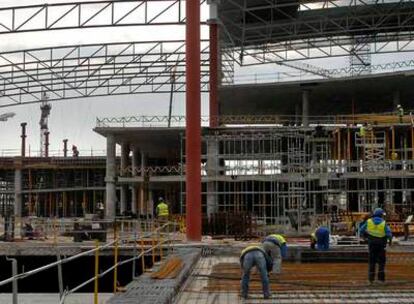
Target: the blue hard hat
(378, 212)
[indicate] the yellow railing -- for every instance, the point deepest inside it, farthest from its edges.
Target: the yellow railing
(159, 238)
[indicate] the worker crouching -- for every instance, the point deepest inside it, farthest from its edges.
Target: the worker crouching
(276, 245)
(377, 232)
(255, 255)
(320, 238)
(267, 257)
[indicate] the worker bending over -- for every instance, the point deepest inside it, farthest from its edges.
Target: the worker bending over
(378, 232)
(256, 255)
(320, 238)
(162, 210)
(277, 246)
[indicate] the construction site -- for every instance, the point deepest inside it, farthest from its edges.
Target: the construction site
(309, 123)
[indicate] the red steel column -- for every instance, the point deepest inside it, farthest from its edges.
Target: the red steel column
(193, 117)
(213, 75)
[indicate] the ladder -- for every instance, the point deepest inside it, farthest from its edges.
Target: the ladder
(374, 150)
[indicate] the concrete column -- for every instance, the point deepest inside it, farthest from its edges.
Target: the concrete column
(134, 165)
(18, 192)
(143, 203)
(134, 199)
(212, 172)
(124, 166)
(396, 99)
(305, 108)
(110, 206)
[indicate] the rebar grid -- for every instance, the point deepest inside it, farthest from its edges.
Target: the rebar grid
(216, 279)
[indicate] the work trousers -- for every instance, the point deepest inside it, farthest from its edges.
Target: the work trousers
(322, 240)
(376, 256)
(251, 259)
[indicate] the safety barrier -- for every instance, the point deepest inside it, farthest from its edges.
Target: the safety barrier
(153, 242)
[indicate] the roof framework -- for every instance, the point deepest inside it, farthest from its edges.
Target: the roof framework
(252, 32)
(95, 70)
(263, 31)
(91, 14)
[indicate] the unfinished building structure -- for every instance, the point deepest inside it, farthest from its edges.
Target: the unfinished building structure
(284, 175)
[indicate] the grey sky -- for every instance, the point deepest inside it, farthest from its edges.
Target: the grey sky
(74, 119)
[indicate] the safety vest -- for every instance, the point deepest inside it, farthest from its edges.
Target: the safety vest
(362, 131)
(313, 236)
(251, 248)
(280, 240)
(376, 230)
(162, 209)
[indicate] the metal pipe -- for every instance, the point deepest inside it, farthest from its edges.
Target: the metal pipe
(115, 261)
(47, 144)
(214, 109)
(193, 126)
(96, 278)
(23, 136)
(65, 148)
(60, 276)
(14, 283)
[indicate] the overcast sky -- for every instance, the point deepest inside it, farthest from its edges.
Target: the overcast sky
(75, 119)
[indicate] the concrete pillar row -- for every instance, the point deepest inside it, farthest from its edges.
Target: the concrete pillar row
(110, 178)
(305, 108)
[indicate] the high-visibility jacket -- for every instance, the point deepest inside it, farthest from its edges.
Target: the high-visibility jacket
(251, 248)
(257, 247)
(362, 131)
(376, 230)
(162, 209)
(277, 239)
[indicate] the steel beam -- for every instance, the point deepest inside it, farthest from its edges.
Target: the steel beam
(193, 127)
(90, 14)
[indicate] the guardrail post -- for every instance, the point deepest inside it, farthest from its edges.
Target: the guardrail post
(14, 284)
(135, 252)
(95, 293)
(115, 263)
(143, 255)
(60, 277)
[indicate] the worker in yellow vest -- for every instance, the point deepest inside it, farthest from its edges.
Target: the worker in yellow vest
(255, 255)
(162, 210)
(276, 245)
(363, 130)
(378, 232)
